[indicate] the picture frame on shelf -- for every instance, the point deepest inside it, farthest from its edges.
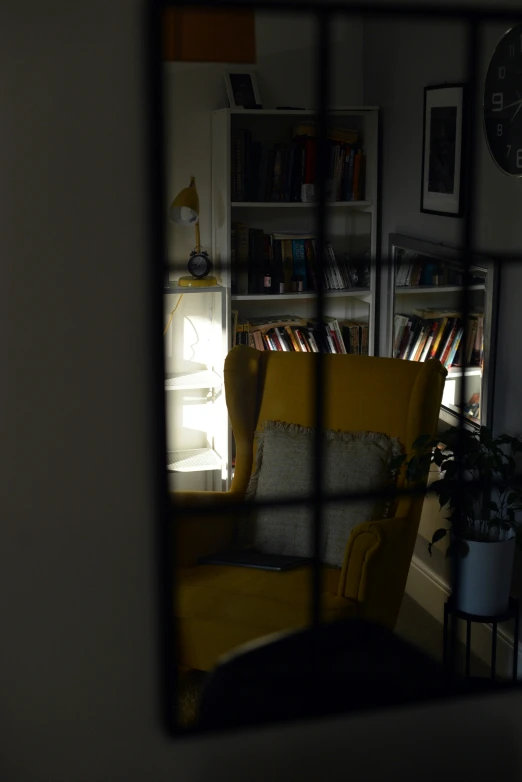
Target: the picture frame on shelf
(443, 169)
(242, 89)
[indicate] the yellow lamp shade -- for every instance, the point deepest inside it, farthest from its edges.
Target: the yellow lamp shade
(184, 209)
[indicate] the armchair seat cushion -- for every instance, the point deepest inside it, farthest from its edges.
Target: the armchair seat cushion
(260, 600)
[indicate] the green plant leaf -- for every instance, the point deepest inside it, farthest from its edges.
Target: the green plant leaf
(485, 436)
(412, 471)
(438, 457)
(450, 467)
(422, 442)
(438, 534)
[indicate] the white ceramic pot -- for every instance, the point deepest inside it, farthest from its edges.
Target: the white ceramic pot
(484, 582)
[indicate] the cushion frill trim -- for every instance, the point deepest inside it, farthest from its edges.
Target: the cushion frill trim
(329, 434)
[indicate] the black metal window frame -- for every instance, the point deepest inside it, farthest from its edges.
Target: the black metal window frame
(324, 12)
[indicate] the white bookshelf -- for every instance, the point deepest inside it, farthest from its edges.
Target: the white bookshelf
(481, 298)
(185, 381)
(351, 225)
(193, 460)
(196, 344)
(300, 205)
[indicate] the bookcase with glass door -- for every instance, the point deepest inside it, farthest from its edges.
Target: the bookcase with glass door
(264, 228)
(427, 320)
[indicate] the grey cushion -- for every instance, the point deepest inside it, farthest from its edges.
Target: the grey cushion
(353, 462)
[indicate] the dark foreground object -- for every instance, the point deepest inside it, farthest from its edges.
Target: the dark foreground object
(343, 667)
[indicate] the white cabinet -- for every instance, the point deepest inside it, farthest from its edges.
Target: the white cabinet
(195, 342)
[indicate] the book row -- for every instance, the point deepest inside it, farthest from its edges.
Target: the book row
(432, 333)
(288, 263)
(286, 171)
(290, 333)
(415, 270)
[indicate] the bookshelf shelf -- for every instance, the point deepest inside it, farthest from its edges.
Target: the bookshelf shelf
(177, 289)
(442, 289)
(184, 381)
(355, 292)
(300, 204)
(333, 111)
(193, 460)
(467, 372)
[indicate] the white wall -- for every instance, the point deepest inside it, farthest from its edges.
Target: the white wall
(285, 66)
(400, 59)
(78, 602)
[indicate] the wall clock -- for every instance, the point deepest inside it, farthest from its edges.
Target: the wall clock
(503, 103)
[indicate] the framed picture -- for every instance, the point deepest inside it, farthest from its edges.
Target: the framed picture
(242, 90)
(442, 153)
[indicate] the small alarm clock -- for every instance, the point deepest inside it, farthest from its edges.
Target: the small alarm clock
(199, 266)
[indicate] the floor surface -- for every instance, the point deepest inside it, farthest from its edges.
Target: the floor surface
(414, 625)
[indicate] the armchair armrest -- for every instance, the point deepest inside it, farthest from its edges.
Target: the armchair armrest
(196, 535)
(375, 567)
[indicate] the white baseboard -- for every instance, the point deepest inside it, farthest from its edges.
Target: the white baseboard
(431, 591)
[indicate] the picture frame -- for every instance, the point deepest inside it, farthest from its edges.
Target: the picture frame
(443, 168)
(242, 89)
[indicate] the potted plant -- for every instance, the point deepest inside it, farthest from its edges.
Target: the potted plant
(478, 484)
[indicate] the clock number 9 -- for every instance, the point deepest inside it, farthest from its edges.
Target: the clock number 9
(497, 99)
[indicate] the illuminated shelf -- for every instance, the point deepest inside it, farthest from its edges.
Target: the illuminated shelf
(193, 460)
(299, 204)
(181, 381)
(436, 288)
(467, 372)
(357, 292)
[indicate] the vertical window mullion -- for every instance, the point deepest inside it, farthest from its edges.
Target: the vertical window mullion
(323, 79)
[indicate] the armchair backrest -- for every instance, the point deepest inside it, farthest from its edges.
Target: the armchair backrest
(361, 393)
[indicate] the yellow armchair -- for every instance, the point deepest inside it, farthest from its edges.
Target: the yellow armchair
(216, 607)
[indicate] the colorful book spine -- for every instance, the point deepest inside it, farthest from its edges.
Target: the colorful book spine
(452, 331)
(288, 263)
(476, 353)
(399, 324)
(405, 339)
(301, 341)
(310, 263)
(314, 348)
(454, 348)
(365, 340)
(431, 336)
(293, 338)
(351, 166)
(299, 257)
(436, 340)
(277, 180)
